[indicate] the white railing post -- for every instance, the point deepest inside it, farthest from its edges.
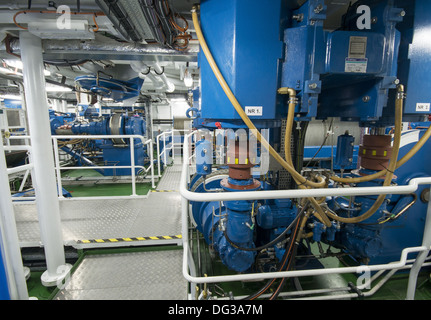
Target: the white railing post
(164, 149)
(173, 144)
(159, 171)
(426, 242)
(132, 163)
(152, 164)
(57, 169)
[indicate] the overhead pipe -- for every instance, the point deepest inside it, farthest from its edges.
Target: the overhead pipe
(104, 48)
(161, 73)
(158, 78)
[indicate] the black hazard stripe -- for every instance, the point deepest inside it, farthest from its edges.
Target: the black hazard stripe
(115, 240)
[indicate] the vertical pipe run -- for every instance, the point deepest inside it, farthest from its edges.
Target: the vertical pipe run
(44, 173)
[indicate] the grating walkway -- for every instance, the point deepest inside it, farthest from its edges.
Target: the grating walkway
(152, 275)
(171, 179)
(93, 223)
(150, 220)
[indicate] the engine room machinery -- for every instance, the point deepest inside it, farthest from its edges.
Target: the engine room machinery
(91, 121)
(276, 67)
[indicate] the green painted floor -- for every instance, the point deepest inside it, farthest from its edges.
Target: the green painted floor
(99, 188)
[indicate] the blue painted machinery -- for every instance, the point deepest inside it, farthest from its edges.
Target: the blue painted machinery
(353, 73)
(115, 151)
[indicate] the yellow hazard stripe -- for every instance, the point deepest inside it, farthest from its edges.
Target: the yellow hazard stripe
(111, 240)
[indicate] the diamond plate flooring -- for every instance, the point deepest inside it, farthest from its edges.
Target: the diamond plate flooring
(148, 275)
(171, 178)
(157, 215)
(152, 275)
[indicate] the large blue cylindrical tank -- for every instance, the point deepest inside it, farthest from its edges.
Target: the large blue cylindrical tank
(244, 38)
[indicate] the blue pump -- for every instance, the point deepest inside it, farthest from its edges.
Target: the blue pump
(346, 73)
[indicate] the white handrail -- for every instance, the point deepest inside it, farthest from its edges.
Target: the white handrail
(58, 168)
(252, 195)
(170, 146)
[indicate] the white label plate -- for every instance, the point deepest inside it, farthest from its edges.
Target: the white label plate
(424, 107)
(254, 111)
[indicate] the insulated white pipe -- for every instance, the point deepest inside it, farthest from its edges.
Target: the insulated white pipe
(9, 241)
(43, 159)
(143, 71)
(170, 87)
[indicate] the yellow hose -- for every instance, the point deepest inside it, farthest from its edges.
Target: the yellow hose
(401, 162)
(298, 177)
(392, 164)
(319, 213)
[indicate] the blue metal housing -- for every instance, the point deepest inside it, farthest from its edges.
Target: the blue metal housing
(113, 153)
(345, 148)
(4, 287)
(408, 229)
(331, 78)
(415, 55)
(118, 90)
(345, 73)
(204, 157)
(248, 56)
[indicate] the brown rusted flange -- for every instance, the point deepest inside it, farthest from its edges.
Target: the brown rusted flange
(375, 152)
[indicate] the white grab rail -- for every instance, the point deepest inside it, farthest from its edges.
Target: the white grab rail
(133, 166)
(187, 196)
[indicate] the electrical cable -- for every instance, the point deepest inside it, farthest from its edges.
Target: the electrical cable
(319, 213)
(279, 238)
(284, 280)
(282, 266)
(392, 163)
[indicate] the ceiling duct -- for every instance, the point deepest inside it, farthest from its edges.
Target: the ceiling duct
(147, 21)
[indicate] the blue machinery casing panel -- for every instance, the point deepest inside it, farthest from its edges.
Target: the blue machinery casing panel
(415, 55)
(248, 56)
(341, 73)
(344, 73)
(4, 288)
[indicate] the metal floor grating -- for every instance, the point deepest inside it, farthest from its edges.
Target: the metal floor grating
(152, 275)
(171, 179)
(155, 219)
